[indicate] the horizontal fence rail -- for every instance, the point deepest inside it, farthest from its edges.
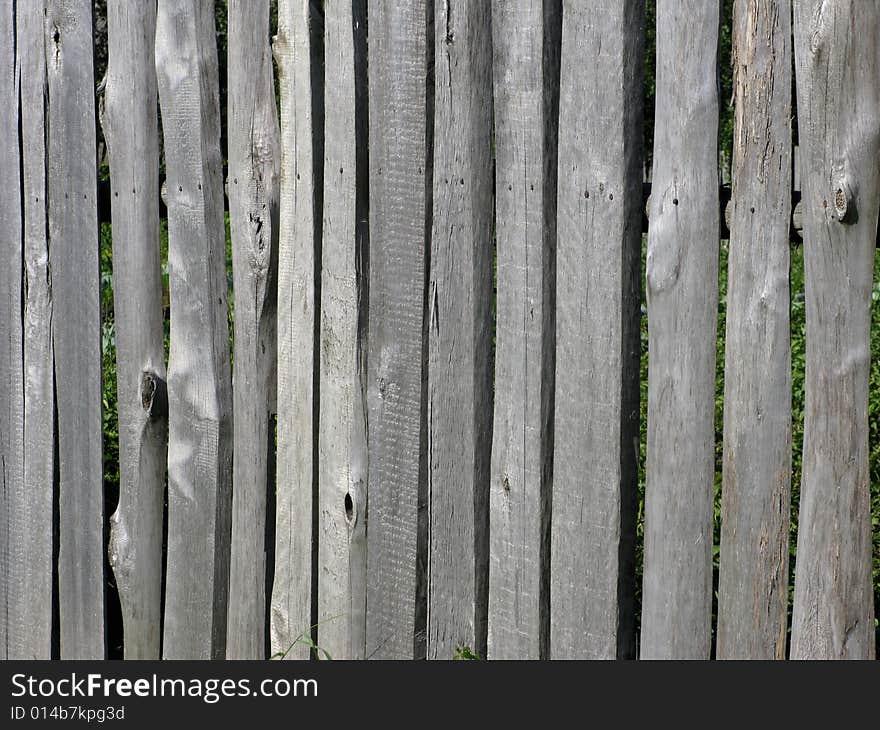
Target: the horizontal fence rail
(381, 395)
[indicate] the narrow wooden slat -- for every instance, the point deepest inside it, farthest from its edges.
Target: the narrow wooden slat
(526, 38)
(130, 123)
(13, 563)
(291, 607)
(199, 387)
(837, 52)
(597, 332)
(76, 324)
(30, 608)
(756, 490)
(682, 293)
(342, 437)
(254, 161)
(460, 330)
(398, 164)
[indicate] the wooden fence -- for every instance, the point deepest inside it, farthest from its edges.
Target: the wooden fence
(455, 461)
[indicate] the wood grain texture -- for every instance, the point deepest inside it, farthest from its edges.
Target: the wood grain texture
(398, 213)
(30, 607)
(682, 295)
(597, 332)
(837, 52)
(756, 489)
(342, 437)
(199, 387)
(131, 130)
(76, 324)
(13, 565)
(254, 162)
(291, 606)
(460, 330)
(526, 40)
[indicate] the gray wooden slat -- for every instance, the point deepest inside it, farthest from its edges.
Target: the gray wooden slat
(837, 52)
(130, 123)
(756, 489)
(199, 387)
(30, 608)
(13, 563)
(460, 330)
(398, 200)
(254, 161)
(342, 437)
(682, 295)
(291, 606)
(597, 332)
(76, 324)
(526, 39)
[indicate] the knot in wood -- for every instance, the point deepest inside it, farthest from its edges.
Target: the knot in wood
(843, 207)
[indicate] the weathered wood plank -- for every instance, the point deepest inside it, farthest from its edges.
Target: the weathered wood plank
(254, 161)
(460, 330)
(76, 325)
(526, 39)
(597, 332)
(291, 607)
(756, 490)
(199, 387)
(682, 294)
(342, 437)
(395, 389)
(30, 607)
(13, 560)
(130, 123)
(837, 51)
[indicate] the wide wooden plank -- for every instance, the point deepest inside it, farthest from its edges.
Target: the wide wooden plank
(837, 52)
(526, 38)
(254, 161)
(460, 330)
(199, 383)
(13, 563)
(29, 607)
(756, 489)
(682, 295)
(291, 607)
(342, 436)
(597, 332)
(131, 130)
(395, 384)
(76, 324)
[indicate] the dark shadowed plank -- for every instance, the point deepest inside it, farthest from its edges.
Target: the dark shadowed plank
(526, 39)
(199, 387)
(756, 490)
(837, 52)
(460, 330)
(76, 324)
(597, 331)
(682, 294)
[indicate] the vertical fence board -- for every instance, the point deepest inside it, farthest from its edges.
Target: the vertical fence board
(76, 325)
(838, 84)
(199, 388)
(130, 123)
(756, 490)
(30, 607)
(253, 214)
(460, 330)
(526, 40)
(682, 290)
(342, 439)
(398, 162)
(291, 607)
(597, 332)
(13, 563)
